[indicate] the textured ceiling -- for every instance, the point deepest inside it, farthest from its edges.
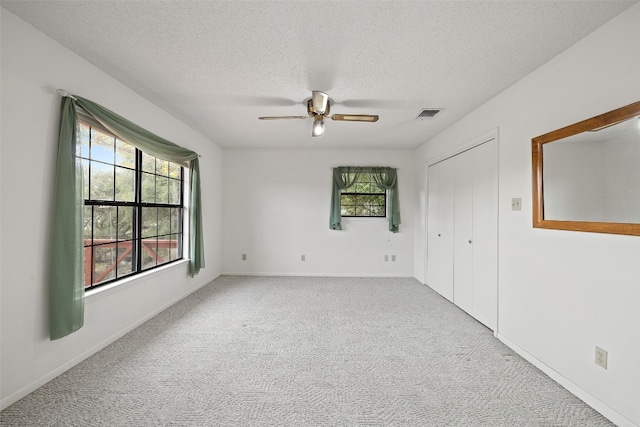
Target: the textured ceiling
(219, 65)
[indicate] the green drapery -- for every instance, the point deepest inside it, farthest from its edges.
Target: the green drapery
(66, 284)
(196, 246)
(385, 178)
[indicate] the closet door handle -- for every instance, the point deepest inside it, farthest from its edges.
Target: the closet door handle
(469, 240)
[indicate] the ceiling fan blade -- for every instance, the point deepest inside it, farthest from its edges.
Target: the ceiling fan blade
(356, 117)
(284, 117)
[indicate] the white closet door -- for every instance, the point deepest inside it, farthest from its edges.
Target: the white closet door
(440, 229)
(485, 234)
(462, 236)
(463, 226)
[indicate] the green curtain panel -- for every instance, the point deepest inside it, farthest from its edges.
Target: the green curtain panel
(66, 284)
(343, 177)
(196, 246)
(386, 178)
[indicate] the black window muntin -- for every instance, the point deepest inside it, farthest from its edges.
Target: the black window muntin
(145, 223)
(363, 199)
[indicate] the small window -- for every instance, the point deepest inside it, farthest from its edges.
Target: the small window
(364, 198)
(133, 208)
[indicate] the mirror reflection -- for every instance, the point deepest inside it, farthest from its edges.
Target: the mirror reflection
(594, 176)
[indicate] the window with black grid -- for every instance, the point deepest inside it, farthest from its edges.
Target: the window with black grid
(364, 198)
(133, 208)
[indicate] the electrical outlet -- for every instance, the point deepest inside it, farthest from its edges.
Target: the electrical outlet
(601, 357)
(303, 258)
(386, 258)
(244, 257)
(516, 204)
(393, 258)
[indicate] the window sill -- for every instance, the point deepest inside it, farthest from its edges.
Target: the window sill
(121, 285)
(364, 218)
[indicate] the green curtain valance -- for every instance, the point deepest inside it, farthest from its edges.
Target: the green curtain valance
(66, 284)
(386, 178)
(136, 135)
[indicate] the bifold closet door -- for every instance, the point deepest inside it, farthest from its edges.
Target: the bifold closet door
(463, 229)
(475, 277)
(485, 234)
(440, 228)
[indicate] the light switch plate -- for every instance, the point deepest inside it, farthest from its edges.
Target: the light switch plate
(516, 204)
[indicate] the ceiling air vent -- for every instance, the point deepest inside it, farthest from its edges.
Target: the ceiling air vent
(428, 113)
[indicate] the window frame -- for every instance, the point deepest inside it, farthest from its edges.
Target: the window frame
(357, 194)
(136, 241)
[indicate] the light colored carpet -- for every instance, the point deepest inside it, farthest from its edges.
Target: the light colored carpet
(300, 351)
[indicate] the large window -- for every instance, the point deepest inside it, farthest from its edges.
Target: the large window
(133, 208)
(364, 198)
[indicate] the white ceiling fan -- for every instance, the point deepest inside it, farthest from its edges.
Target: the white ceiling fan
(318, 109)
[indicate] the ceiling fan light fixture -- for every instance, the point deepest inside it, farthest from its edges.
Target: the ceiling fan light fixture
(318, 126)
(319, 102)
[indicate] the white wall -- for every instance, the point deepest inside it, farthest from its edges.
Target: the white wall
(561, 293)
(276, 208)
(33, 66)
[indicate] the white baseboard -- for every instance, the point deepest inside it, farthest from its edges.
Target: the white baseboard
(607, 411)
(36, 384)
(300, 274)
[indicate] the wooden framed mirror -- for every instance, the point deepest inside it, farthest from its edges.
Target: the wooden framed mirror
(586, 176)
